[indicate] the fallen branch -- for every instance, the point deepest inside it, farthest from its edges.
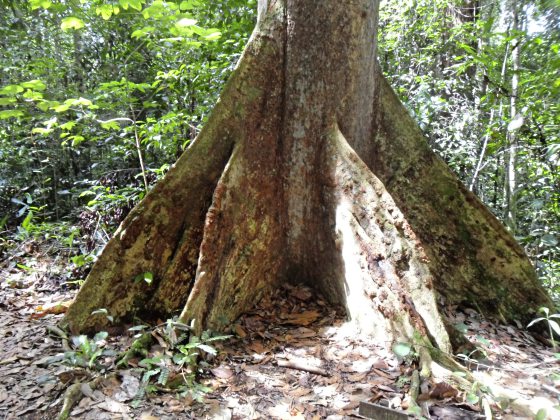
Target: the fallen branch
(300, 366)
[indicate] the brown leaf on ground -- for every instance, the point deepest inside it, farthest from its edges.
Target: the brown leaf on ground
(222, 372)
(238, 329)
(303, 318)
(443, 390)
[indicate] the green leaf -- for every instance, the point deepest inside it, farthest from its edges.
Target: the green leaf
(472, 398)
(402, 349)
(549, 240)
(27, 221)
(105, 10)
(71, 22)
(186, 5)
(36, 4)
(11, 90)
(554, 326)
(68, 125)
(111, 125)
(31, 95)
(42, 131)
(541, 414)
(34, 84)
(208, 349)
(76, 140)
(7, 101)
(100, 336)
(534, 321)
(213, 36)
(134, 4)
(78, 101)
(9, 113)
(544, 310)
(145, 31)
(147, 277)
(61, 108)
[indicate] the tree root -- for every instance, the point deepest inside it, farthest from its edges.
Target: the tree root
(74, 393)
(58, 332)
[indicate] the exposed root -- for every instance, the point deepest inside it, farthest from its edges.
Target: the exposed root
(61, 334)
(387, 281)
(163, 234)
(74, 393)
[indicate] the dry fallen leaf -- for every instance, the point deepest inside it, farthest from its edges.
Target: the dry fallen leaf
(257, 347)
(443, 390)
(222, 372)
(148, 416)
(303, 318)
(299, 392)
(238, 329)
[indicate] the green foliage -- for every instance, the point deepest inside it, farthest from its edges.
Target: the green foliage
(178, 366)
(553, 326)
(86, 351)
(452, 64)
(101, 98)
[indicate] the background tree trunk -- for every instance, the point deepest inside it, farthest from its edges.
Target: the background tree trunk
(279, 187)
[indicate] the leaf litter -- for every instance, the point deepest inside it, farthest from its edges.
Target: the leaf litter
(293, 357)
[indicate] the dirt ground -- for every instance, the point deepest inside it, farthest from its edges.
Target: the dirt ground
(292, 357)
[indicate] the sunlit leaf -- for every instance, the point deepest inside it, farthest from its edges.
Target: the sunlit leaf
(534, 321)
(7, 101)
(61, 108)
(541, 414)
(105, 10)
(554, 325)
(34, 84)
(11, 90)
(213, 36)
(68, 125)
(182, 23)
(42, 131)
(36, 4)
(71, 22)
(111, 125)
(402, 349)
(31, 95)
(139, 33)
(76, 140)
(472, 398)
(208, 349)
(10, 113)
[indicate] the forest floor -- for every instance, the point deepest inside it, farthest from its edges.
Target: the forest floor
(292, 357)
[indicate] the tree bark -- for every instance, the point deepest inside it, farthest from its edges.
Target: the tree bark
(279, 187)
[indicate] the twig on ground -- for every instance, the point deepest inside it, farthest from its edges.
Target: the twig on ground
(300, 366)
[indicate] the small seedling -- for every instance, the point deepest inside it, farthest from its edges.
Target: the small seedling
(553, 326)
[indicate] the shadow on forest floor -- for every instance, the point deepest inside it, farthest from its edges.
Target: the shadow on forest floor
(293, 357)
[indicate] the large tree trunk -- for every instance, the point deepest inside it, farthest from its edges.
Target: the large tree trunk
(280, 187)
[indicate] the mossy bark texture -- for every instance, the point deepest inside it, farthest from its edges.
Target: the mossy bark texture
(310, 170)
